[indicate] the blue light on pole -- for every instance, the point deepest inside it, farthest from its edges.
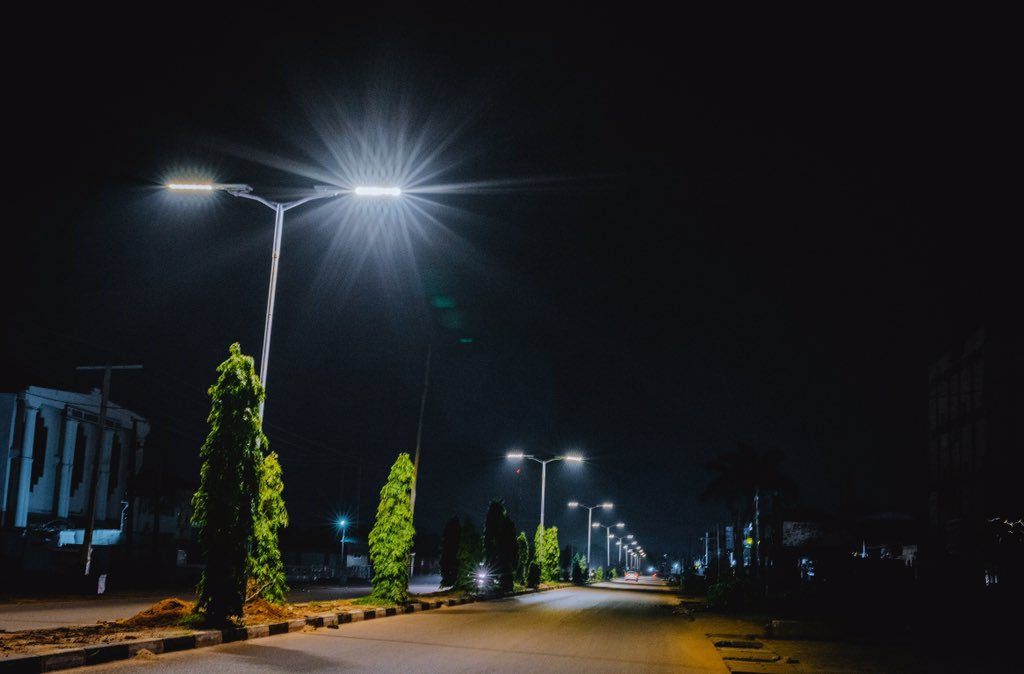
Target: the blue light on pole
(343, 523)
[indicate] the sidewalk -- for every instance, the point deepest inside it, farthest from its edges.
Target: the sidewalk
(948, 643)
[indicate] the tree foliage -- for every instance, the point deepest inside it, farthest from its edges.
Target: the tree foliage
(578, 573)
(449, 562)
(538, 552)
(522, 558)
(741, 475)
(499, 545)
(229, 488)
(470, 555)
(392, 534)
(546, 552)
(551, 554)
(266, 569)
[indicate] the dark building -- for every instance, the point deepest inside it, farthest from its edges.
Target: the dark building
(976, 457)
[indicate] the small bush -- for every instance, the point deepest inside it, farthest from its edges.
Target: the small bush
(533, 577)
(733, 593)
(192, 620)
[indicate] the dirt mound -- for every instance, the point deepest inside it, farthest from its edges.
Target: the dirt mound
(170, 612)
(164, 613)
(262, 611)
(162, 619)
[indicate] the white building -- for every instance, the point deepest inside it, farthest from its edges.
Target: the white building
(49, 441)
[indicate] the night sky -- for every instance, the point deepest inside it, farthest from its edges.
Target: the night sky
(642, 238)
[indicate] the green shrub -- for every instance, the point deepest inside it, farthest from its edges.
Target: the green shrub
(533, 577)
(732, 593)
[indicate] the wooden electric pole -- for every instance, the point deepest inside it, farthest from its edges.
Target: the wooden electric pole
(90, 512)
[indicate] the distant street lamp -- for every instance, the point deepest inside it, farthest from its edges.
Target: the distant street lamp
(543, 481)
(630, 552)
(619, 543)
(590, 511)
(245, 192)
(608, 541)
(543, 473)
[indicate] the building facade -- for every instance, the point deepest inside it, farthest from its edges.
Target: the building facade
(51, 443)
(976, 458)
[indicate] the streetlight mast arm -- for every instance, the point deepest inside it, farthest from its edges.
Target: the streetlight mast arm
(284, 206)
(245, 192)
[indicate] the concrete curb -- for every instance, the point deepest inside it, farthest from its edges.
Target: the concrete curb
(100, 653)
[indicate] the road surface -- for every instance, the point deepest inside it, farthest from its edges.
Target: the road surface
(616, 627)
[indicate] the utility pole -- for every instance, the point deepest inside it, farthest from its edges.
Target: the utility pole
(419, 434)
(90, 518)
(718, 553)
(707, 539)
(757, 532)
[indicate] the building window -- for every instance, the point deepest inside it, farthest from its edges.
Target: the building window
(38, 451)
(78, 465)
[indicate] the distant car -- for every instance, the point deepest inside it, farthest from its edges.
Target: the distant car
(633, 575)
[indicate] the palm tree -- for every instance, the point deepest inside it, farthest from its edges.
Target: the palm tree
(750, 484)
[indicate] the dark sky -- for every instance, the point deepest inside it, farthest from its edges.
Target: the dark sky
(670, 236)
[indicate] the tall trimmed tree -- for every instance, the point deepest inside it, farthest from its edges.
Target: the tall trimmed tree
(500, 547)
(449, 563)
(229, 488)
(550, 569)
(522, 558)
(538, 553)
(392, 534)
(470, 555)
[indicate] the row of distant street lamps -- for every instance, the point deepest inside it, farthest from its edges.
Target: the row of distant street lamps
(632, 548)
(626, 543)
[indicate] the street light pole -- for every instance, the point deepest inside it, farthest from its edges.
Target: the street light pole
(590, 510)
(543, 481)
(608, 540)
(279, 208)
(543, 484)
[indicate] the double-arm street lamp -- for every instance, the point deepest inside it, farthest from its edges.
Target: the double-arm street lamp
(245, 192)
(590, 511)
(543, 473)
(624, 542)
(620, 543)
(608, 540)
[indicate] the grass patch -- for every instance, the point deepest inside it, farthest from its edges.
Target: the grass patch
(192, 620)
(369, 600)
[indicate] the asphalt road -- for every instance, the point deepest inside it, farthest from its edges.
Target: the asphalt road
(616, 627)
(48, 612)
